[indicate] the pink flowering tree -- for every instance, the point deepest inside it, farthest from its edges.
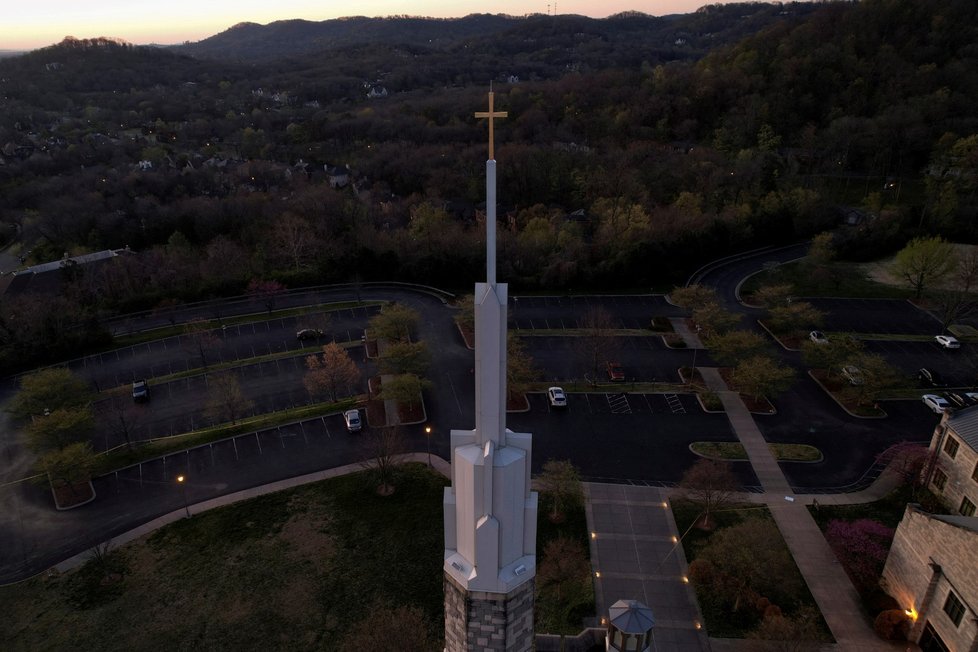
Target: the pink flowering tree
(266, 292)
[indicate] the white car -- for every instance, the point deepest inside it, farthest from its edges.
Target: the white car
(818, 337)
(948, 341)
(557, 397)
(853, 374)
(937, 404)
(352, 419)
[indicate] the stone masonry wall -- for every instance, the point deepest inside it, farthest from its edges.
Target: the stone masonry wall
(920, 540)
(488, 622)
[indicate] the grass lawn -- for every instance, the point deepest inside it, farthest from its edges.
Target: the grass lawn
(289, 571)
(732, 450)
(850, 280)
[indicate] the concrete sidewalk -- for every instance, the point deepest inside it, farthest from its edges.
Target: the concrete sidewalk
(826, 579)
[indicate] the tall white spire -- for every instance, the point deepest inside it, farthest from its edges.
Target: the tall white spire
(490, 512)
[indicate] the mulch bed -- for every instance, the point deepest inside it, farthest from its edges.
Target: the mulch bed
(67, 496)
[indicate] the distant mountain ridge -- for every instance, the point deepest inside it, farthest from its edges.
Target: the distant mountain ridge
(708, 27)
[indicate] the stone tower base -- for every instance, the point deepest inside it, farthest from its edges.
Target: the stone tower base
(488, 622)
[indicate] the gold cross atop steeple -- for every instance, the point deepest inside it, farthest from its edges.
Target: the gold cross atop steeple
(491, 114)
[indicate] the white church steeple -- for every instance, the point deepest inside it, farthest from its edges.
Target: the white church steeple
(490, 512)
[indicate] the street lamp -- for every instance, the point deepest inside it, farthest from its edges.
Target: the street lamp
(183, 487)
(427, 437)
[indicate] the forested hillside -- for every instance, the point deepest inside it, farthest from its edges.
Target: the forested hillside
(622, 163)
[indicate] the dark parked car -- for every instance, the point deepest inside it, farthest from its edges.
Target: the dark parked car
(308, 334)
(931, 377)
(140, 391)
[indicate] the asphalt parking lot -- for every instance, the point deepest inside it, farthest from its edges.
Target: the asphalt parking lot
(958, 367)
(883, 316)
(634, 438)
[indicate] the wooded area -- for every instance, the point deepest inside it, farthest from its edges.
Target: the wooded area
(613, 171)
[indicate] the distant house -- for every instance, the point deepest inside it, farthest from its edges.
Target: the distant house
(932, 572)
(377, 91)
(338, 177)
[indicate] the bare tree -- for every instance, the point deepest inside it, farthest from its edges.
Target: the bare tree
(711, 485)
(201, 339)
(122, 417)
(564, 562)
(227, 401)
(332, 373)
(561, 484)
(596, 342)
(383, 452)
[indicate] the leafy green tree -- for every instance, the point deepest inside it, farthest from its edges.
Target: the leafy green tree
(394, 323)
(714, 320)
(760, 376)
(797, 315)
(561, 482)
(780, 633)
(405, 358)
(692, 296)
(465, 317)
(878, 378)
(70, 465)
(727, 348)
(60, 428)
(925, 262)
(331, 374)
(405, 388)
(520, 370)
(770, 296)
(750, 561)
(840, 350)
(48, 390)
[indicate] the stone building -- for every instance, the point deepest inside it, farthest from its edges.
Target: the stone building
(954, 447)
(932, 572)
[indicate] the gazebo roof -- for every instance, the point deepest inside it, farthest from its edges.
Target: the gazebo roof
(631, 617)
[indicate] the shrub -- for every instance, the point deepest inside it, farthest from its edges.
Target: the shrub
(892, 625)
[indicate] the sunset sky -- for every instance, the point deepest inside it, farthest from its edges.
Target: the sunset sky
(38, 23)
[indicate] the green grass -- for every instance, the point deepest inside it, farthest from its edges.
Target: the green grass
(291, 570)
(122, 457)
(851, 281)
(727, 450)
